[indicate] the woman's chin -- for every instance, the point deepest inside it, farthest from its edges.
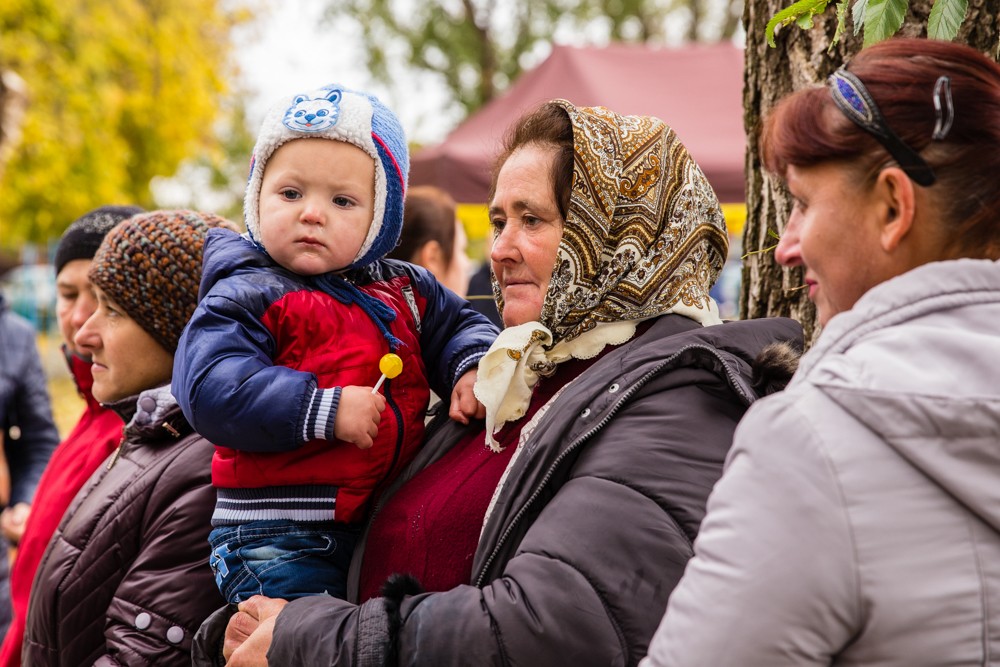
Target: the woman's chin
(516, 313)
(103, 392)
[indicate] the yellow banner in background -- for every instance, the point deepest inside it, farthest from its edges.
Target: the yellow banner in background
(736, 218)
(476, 219)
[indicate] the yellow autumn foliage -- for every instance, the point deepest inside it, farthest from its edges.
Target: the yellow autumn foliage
(119, 91)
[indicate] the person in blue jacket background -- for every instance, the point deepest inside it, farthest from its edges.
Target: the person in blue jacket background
(28, 434)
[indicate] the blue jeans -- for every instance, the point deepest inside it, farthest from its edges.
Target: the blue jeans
(281, 559)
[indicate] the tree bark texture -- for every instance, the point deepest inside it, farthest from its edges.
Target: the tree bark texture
(801, 59)
(13, 102)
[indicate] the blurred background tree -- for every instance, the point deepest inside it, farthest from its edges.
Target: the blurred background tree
(478, 47)
(139, 101)
(117, 94)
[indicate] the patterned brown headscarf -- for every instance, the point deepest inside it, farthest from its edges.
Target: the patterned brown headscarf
(644, 233)
(643, 236)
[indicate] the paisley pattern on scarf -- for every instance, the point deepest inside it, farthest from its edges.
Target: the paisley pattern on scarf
(644, 232)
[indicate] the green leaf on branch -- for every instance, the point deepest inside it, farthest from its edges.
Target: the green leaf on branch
(883, 18)
(858, 15)
(802, 13)
(946, 18)
(841, 24)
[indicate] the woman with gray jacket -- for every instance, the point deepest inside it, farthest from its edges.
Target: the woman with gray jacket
(858, 520)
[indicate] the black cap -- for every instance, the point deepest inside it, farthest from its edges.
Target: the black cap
(82, 238)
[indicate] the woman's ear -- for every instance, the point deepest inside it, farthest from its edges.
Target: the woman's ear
(897, 203)
(431, 257)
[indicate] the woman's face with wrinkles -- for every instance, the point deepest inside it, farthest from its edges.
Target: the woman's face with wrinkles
(527, 228)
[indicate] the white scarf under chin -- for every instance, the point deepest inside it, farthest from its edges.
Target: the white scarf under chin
(507, 377)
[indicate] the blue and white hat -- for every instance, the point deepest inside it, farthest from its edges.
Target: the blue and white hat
(341, 114)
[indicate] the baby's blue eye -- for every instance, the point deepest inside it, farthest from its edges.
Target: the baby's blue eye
(322, 112)
(299, 114)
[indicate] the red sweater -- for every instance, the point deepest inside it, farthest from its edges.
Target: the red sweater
(430, 527)
(93, 438)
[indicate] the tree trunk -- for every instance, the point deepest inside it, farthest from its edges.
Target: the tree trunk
(13, 101)
(800, 59)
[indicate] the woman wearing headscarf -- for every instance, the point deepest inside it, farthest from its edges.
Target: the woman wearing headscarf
(858, 521)
(554, 533)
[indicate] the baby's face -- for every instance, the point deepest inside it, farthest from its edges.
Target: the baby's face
(317, 200)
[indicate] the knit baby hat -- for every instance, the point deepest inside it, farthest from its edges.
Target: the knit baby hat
(83, 237)
(338, 113)
(150, 265)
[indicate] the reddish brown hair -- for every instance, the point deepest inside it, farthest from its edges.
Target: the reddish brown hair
(548, 125)
(806, 128)
(428, 215)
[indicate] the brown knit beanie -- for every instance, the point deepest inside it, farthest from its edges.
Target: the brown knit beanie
(150, 265)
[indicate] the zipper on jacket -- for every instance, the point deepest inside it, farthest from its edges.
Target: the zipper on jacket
(118, 453)
(433, 428)
(589, 434)
(399, 433)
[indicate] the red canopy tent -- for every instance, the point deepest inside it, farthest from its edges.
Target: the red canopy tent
(697, 90)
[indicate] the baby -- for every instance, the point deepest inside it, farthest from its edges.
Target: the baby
(279, 362)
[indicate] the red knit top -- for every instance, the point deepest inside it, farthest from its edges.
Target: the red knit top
(430, 527)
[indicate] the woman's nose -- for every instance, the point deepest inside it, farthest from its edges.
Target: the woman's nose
(86, 338)
(504, 245)
(788, 251)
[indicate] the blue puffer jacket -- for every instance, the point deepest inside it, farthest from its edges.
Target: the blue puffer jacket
(259, 369)
(29, 434)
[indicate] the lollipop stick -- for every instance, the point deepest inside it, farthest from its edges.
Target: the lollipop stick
(378, 384)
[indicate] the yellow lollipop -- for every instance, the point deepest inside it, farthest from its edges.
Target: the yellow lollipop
(391, 366)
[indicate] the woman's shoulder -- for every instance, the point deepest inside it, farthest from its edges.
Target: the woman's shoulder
(184, 460)
(163, 443)
(743, 338)
(749, 357)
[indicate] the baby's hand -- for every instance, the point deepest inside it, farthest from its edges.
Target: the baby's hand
(358, 415)
(464, 404)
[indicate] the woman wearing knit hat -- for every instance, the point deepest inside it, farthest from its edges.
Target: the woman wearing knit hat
(280, 365)
(96, 433)
(124, 580)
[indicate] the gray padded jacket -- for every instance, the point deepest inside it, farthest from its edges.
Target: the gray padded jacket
(858, 521)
